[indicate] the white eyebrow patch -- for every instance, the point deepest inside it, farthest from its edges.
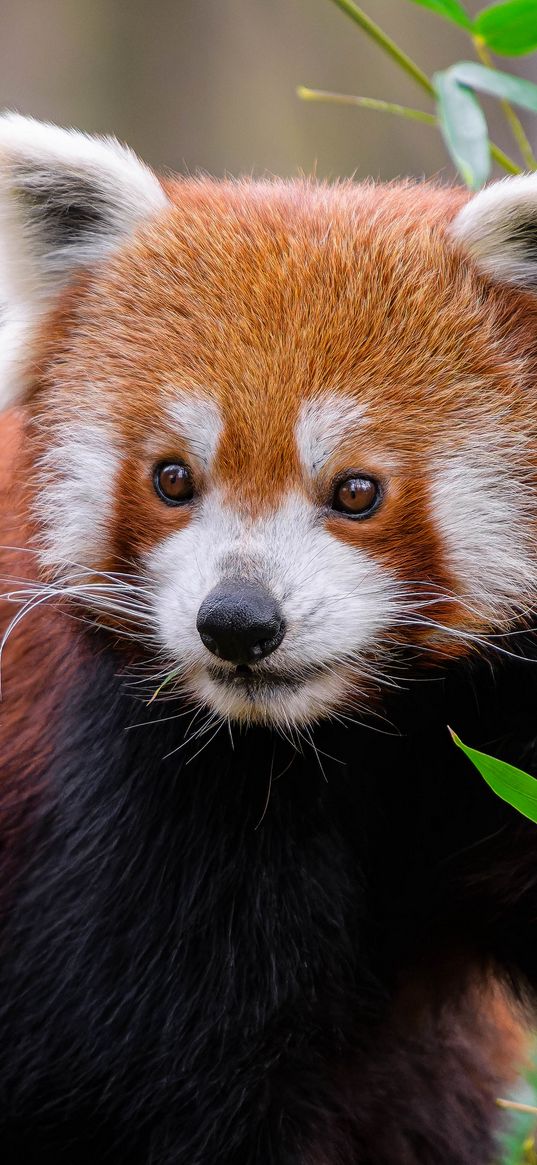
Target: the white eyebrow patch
(198, 421)
(323, 424)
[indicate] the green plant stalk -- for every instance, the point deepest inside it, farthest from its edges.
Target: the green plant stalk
(516, 1106)
(504, 160)
(507, 163)
(517, 129)
(404, 111)
(386, 43)
(367, 103)
(410, 68)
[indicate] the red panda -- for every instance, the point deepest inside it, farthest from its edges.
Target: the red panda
(269, 524)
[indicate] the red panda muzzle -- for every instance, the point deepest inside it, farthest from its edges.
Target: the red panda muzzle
(240, 622)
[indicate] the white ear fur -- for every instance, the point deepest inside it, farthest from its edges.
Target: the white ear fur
(499, 229)
(66, 200)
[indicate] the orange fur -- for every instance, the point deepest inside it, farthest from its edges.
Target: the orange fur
(349, 289)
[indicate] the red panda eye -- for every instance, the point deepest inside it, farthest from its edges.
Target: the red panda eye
(173, 482)
(357, 497)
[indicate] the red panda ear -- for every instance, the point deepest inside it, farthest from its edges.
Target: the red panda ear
(66, 200)
(499, 229)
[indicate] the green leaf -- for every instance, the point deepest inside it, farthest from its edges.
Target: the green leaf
(496, 83)
(464, 128)
(449, 9)
(519, 789)
(509, 28)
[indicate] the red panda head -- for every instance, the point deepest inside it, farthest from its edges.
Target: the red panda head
(282, 433)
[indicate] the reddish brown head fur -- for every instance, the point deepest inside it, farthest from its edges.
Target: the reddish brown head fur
(275, 337)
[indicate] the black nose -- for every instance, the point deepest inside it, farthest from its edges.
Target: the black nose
(240, 622)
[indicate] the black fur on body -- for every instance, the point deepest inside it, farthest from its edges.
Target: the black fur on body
(190, 978)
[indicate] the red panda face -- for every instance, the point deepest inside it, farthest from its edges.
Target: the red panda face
(283, 436)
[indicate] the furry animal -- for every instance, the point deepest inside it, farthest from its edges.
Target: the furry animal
(269, 524)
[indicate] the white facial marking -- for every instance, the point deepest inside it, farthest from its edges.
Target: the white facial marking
(486, 526)
(198, 422)
(335, 601)
(323, 424)
(76, 496)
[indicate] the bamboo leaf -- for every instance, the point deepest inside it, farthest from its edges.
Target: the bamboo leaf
(464, 128)
(513, 785)
(508, 28)
(496, 84)
(449, 9)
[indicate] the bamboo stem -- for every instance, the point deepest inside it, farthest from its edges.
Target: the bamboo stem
(386, 43)
(367, 103)
(400, 111)
(504, 160)
(516, 1106)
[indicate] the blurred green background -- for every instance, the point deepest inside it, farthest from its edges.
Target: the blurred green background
(210, 84)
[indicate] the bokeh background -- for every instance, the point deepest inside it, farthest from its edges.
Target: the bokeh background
(210, 84)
